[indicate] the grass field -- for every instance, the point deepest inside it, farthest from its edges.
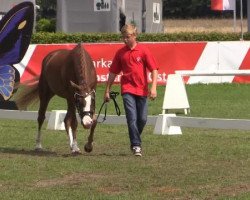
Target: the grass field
(199, 164)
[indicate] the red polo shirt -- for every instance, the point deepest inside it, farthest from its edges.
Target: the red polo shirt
(134, 64)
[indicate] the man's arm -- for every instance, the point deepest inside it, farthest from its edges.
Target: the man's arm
(153, 91)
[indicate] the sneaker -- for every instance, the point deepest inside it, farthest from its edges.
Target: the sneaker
(137, 151)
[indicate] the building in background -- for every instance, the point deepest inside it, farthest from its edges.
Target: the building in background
(108, 15)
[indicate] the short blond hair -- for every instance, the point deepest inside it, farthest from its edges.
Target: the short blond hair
(129, 29)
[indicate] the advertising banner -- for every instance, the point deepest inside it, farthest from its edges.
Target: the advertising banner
(169, 56)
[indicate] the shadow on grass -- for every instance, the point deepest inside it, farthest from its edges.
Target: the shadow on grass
(93, 155)
(46, 153)
(8, 150)
(119, 154)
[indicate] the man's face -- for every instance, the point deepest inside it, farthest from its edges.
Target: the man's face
(129, 39)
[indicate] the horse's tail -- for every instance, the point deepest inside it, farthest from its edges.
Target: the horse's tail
(27, 94)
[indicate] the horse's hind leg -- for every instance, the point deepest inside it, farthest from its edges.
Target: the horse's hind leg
(45, 96)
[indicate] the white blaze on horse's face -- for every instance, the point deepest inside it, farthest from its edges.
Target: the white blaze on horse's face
(86, 120)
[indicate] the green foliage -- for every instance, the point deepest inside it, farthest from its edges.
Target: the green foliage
(48, 38)
(46, 25)
(57, 38)
(186, 8)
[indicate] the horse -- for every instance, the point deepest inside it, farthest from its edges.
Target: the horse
(69, 74)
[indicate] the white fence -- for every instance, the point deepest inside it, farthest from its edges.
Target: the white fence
(56, 117)
(213, 72)
(175, 97)
(165, 124)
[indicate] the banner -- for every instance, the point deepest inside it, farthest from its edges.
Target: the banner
(170, 56)
(222, 5)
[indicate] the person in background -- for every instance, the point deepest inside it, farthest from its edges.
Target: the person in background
(133, 60)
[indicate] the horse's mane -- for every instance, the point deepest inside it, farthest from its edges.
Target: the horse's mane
(80, 64)
(83, 66)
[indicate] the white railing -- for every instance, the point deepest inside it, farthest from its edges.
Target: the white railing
(213, 73)
(165, 124)
(176, 98)
(55, 118)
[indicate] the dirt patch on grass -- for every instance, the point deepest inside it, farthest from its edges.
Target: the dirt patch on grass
(78, 178)
(165, 189)
(233, 190)
(111, 190)
(212, 191)
(72, 179)
(215, 191)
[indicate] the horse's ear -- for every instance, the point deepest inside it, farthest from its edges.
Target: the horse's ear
(75, 85)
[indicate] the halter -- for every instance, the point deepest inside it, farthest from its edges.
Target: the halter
(78, 107)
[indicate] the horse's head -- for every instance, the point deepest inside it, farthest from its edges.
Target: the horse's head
(85, 104)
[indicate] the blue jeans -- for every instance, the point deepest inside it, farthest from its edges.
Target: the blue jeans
(136, 109)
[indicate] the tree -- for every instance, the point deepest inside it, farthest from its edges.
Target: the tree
(47, 9)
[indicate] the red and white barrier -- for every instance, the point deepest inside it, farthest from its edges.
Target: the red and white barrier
(170, 56)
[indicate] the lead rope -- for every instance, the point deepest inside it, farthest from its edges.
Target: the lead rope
(113, 96)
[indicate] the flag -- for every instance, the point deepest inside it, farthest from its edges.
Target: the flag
(222, 4)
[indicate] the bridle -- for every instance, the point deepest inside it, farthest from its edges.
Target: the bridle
(80, 111)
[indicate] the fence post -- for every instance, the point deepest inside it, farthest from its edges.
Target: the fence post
(162, 127)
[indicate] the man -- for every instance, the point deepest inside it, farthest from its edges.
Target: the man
(133, 60)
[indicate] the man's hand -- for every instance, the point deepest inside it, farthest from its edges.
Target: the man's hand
(152, 94)
(106, 97)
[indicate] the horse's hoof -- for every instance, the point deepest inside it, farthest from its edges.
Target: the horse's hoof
(88, 148)
(75, 153)
(75, 150)
(38, 149)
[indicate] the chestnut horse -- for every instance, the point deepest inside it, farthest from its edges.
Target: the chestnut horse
(69, 74)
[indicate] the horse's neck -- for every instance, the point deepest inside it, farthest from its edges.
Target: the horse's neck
(81, 71)
(84, 73)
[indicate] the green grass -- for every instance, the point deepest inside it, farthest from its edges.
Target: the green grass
(199, 164)
(212, 100)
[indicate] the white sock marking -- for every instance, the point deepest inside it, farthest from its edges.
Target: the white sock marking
(70, 137)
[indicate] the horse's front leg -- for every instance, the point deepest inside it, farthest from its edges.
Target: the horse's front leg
(88, 147)
(70, 122)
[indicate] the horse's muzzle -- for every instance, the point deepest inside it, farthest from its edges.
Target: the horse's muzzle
(87, 122)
